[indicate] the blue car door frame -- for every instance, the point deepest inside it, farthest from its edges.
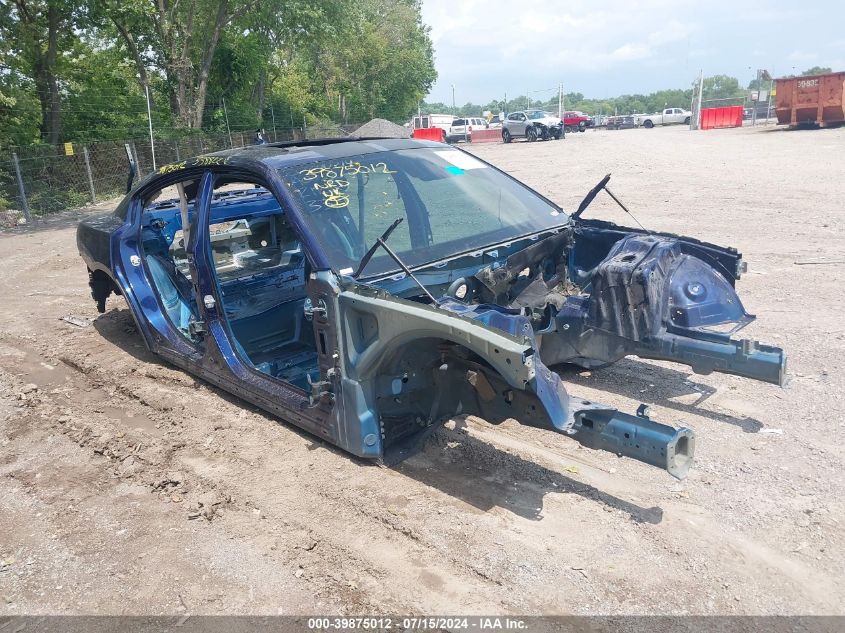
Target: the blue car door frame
(221, 358)
(168, 341)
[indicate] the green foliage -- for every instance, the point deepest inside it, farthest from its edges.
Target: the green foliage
(295, 61)
(624, 104)
(378, 62)
(816, 70)
(80, 72)
(722, 87)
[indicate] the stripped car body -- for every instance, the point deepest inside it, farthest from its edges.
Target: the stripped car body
(269, 292)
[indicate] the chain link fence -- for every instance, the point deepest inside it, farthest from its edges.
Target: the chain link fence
(43, 179)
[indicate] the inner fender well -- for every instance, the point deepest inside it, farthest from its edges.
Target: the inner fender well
(426, 381)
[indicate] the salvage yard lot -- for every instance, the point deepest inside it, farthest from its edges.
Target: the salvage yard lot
(128, 486)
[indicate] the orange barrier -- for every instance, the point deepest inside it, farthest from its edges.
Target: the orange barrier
(428, 134)
(485, 136)
(729, 116)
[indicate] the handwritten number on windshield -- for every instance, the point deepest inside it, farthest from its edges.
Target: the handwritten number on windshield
(330, 180)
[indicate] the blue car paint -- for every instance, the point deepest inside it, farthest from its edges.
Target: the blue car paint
(346, 419)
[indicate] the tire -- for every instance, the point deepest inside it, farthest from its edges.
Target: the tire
(544, 134)
(531, 134)
(506, 136)
(556, 135)
(582, 127)
(648, 124)
(686, 121)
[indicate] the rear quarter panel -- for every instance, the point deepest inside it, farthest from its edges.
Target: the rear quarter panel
(93, 239)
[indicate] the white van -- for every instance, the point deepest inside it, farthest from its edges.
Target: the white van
(443, 121)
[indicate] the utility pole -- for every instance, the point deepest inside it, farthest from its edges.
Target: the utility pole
(756, 101)
(152, 142)
(273, 114)
(562, 112)
(528, 96)
(769, 101)
(700, 97)
(453, 99)
(226, 115)
(505, 108)
(693, 120)
(695, 103)
(560, 101)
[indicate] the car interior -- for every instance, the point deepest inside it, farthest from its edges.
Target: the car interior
(260, 271)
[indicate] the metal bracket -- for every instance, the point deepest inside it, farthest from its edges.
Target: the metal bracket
(309, 309)
(197, 329)
(321, 389)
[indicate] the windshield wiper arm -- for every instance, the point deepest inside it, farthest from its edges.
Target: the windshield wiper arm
(382, 241)
(369, 254)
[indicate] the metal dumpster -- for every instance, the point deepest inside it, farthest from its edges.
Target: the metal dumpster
(815, 100)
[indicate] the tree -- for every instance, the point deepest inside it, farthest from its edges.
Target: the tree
(82, 71)
(378, 62)
(40, 29)
(816, 70)
(721, 87)
(182, 39)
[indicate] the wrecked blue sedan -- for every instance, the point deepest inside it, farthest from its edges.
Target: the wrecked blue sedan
(367, 289)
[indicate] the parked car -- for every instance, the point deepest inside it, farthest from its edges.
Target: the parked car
(764, 111)
(462, 128)
(424, 121)
(531, 124)
(366, 290)
(575, 121)
(621, 122)
(669, 116)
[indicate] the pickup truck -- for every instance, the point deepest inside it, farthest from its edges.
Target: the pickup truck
(667, 117)
(574, 121)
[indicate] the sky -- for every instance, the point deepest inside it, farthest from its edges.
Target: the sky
(605, 48)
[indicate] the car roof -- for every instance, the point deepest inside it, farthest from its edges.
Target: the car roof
(283, 154)
(293, 152)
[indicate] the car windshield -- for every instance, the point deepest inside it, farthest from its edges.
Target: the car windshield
(450, 202)
(537, 114)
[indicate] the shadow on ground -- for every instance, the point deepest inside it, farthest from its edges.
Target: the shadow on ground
(462, 466)
(653, 384)
(480, 474)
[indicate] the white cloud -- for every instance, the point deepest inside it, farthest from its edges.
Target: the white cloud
(488, 47)
(802, 56)
(628, 52)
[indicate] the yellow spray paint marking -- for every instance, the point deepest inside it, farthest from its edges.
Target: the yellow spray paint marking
(169, 169)
(208, 161)
(331, 183)
(199, 161)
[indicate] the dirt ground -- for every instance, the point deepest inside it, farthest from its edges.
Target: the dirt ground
(129, 487)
